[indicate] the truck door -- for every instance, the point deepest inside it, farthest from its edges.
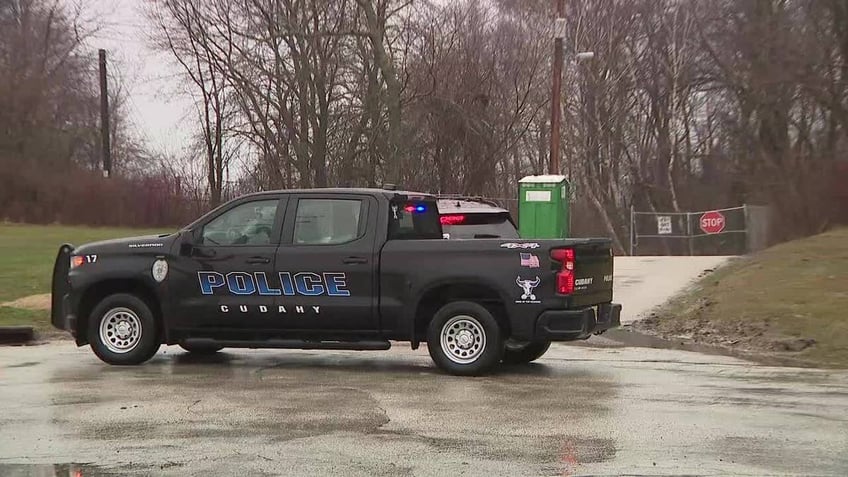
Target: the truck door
(327, 266)
(224, 278)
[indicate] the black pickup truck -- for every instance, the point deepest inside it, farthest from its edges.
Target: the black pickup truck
(333, 269)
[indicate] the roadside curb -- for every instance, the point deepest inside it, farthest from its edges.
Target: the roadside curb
(16, 335)
(627, 336)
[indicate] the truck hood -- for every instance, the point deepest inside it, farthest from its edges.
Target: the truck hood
(150, 243)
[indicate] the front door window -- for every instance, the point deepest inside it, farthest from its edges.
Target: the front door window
(250, 223)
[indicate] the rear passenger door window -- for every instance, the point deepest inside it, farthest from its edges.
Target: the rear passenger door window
(328, 221)
(328, 250)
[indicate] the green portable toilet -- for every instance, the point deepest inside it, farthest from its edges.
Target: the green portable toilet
(543, 207)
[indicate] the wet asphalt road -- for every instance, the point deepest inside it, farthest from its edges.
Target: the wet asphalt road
(579, 410)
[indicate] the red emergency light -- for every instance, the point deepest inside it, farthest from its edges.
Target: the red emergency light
(452, 219)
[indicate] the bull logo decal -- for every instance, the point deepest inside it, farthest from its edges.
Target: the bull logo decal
(527, 286)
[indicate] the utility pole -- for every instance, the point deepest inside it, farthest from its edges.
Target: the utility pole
(556, 94)
(105, 147)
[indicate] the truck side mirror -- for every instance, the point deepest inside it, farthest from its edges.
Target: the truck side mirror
(189, 239)
(197, 236)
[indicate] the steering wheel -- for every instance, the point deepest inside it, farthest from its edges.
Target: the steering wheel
(257, 231)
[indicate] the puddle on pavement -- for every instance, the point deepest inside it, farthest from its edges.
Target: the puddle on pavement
(57, 470)
(23, 365)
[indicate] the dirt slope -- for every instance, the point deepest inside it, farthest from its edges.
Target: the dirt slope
(791, 299)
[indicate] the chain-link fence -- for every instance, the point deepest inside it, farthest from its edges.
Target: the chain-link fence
(732, 231)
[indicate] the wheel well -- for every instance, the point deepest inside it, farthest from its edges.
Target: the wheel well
(100, 290)
(444, 294)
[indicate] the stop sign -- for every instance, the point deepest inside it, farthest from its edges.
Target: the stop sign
(712, 222)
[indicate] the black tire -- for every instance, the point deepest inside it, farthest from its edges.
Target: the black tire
(201, 350)
(475, 323)
(123, 311)
(523, 355)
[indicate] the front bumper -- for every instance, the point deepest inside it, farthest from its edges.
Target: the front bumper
(65, 319)
(61, 308)
(570, 325)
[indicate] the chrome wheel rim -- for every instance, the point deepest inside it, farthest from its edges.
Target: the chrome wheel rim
(463, 339)
(120, 330)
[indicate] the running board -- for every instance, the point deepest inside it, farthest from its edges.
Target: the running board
(289, 344)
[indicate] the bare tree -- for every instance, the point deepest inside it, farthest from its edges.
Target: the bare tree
(182, 32)
(687, 104)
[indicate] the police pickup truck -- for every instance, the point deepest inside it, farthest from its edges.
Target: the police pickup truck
(349, 269)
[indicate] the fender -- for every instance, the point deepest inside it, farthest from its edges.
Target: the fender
(420, 292)
(112, 274)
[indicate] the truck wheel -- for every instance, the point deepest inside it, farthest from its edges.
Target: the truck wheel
(194, 349)
(526, 353)
(122, 330)
(464, 339)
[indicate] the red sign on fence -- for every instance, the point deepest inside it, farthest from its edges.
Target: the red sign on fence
(712, 222)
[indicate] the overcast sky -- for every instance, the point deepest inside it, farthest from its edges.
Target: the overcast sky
(156, 106)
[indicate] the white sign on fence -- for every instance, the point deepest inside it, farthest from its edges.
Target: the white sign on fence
(663, 224)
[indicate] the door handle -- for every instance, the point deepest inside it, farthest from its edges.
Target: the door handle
(355, 260)
(257, 260)
(203, 252)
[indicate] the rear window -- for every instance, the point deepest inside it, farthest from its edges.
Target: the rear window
(414, 220)
(470, 226)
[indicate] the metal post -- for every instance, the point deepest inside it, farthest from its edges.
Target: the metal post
(556, 93)
(632, 229)
(106, 149)
(689, 233)
(570, 208)
(746, 217)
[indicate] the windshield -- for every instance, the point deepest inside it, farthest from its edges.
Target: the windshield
(470, 226)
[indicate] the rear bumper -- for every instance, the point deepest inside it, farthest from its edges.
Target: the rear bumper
(570, 325)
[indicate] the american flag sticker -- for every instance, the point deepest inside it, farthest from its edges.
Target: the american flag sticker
(529, 260)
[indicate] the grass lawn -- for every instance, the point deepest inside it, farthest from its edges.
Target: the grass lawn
(38, 319)
(27, 253)
(791, 299)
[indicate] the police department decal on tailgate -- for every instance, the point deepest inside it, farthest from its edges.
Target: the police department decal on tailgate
(307, 284)
(583, 283)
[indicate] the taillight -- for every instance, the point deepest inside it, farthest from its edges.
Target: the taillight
(565, 276)
(564, 256)
(565, 283)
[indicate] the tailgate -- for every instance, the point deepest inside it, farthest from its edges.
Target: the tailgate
(593, 268)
